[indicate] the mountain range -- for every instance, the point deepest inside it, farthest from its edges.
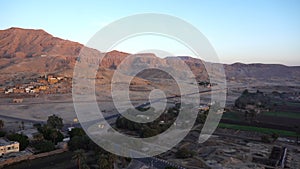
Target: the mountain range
(27, 53)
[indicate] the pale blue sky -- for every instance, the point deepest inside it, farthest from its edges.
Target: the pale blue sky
(248, 31)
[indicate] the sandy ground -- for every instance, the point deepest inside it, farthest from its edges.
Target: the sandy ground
(40, 108)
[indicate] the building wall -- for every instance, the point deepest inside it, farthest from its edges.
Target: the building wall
(13, 147)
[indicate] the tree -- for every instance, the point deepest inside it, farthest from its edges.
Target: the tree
(106, 160)
(22, 139)
(80, 142)
(55, 122)
(51, 134)
(171, 167)
(1, 124)
(148, 132)
(38, 137)
(80, 158)
(103, 162)
(77, 132)
(184, 153)
(54, 136)
(2, 133)
(201, 118)
(43, 145)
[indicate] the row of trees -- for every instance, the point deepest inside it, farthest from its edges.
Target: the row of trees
(80, 143)
(49, 134)
(150, 129)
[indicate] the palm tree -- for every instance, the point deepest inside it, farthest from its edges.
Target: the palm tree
(106, 160)
(80, 158)
(103, 162)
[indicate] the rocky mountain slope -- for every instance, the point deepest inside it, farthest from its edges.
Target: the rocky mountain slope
(26, 53)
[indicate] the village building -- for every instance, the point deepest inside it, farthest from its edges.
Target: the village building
(52, 80)
(17, 100)
(27, 90)
(60, 78)
(18, 90)
(8, 146)
(43, 87)
(35, 90)
(10, 90)
(42, 81)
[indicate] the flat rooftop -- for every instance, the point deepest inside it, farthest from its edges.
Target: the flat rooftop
(4, 142)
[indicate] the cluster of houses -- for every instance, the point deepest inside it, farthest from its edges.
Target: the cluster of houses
(41, 84)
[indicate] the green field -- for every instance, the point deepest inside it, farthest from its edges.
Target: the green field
(232, 116)
(292, 104)
(258, 129)
(282, 114)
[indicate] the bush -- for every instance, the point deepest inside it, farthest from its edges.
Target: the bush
(2, 133)
(43, 146)
(79, 142)
(184, 153)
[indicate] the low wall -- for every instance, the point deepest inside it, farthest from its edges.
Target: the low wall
(30, 157)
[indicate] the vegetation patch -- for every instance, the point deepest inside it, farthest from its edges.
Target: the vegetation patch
(282, 114)
(258, 129)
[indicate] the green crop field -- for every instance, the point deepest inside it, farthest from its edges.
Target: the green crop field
(258, 129)
(282, 114)
(232, 116)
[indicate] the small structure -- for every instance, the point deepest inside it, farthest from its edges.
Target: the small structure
(43, 87)
(36, 90)
(52, 80)
(60, 78)
(203, 108)
(143, 116)
(10, 90)
(27, 89)
(17, 100)
(30, 133)
(8, 146)
(18, 90)
(70, 128)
